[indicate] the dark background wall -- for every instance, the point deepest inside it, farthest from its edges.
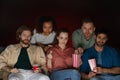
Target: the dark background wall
(68, 13)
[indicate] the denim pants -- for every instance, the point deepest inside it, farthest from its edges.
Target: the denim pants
(106, 77)
(67, 74)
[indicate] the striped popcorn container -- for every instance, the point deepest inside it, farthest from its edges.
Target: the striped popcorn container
(92, 63)
(76, 60)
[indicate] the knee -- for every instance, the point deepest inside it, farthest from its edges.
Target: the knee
(14, 78)
(44, 78)
(95, 78)
(75, 72)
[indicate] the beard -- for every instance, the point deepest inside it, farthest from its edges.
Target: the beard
(100, 44)
(25, 41)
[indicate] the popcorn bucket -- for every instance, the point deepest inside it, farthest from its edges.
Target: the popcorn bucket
(92, 63)
(76, 60)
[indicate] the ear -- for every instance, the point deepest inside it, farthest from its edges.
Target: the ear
(94, 28)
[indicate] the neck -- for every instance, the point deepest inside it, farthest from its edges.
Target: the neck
(24, 45)
(46, 34)
(87, 38)
(98, 48)
(62, 46)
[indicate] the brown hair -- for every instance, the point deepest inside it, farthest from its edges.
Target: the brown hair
(58, 33)
(20, 30)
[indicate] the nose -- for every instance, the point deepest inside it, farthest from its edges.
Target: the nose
(87, 31)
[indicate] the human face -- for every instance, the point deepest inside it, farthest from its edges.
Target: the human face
(88, 29)
(25, 37)
(62, 38)
(47, 27)
(101, 39)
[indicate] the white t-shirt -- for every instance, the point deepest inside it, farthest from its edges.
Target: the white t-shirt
(40, 38)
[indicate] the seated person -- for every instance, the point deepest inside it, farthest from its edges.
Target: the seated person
(107, 60)
(84, 38)
(18, 59)
(45, 33)
(59, 59)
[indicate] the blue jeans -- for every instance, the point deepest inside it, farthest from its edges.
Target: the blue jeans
(106, 77)
(68, 74)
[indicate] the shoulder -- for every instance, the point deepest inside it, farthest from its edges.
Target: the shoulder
(13, 46)
(89, 50)
(54, 48)
(111, 49)
(52, 34)
(77, 33)
(37, 34)
(34, 47)
(106, 47)
(70, 48)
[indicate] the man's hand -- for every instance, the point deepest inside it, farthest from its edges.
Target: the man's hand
(99, 70)
(80, 50)
(91, 74)
(14, 70)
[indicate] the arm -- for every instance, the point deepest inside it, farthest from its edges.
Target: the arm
(75, 39)
(41, 57)
(85, 70)
(49, 60)
(87, 76)
(3, 60)
(4, 57)
(114, 70)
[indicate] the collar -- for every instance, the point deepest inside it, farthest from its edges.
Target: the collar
(23, 45)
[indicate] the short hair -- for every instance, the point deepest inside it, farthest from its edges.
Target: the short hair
(87, 20)
(45, 19)
(101, 31)
(20, 30)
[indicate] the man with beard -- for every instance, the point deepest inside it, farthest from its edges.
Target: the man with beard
(18, 59)
(107, 60)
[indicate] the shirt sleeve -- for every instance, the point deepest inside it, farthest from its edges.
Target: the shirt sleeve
(49, 60)
(41, 57)
(4, 57)
(116, 58)
(75, 39)
(85, 66)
